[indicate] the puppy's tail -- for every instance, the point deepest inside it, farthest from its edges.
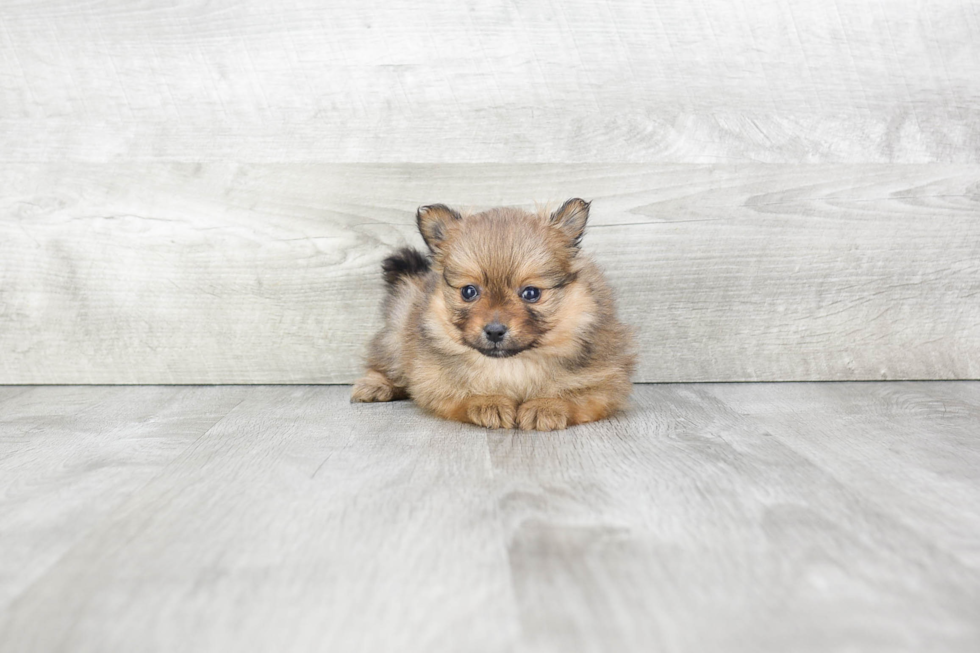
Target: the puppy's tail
(406, 262)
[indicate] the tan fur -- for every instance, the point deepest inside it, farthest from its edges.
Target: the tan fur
(375, 386)
(568, 359)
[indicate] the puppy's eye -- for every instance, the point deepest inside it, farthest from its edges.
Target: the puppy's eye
(531, 294)
(469, 293)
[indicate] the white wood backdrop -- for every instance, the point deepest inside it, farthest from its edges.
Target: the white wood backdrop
(202, 191)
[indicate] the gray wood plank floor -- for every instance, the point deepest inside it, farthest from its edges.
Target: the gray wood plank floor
(743, 517)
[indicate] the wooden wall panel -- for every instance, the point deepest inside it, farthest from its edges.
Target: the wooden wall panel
(708, 81)
(267, 273)
(202, 191)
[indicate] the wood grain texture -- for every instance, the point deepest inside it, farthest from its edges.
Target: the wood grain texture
(687, 525)
(70, 456)
(540, 81)
(297, 523)
(875, 442)
(259, 273)
(736, 517)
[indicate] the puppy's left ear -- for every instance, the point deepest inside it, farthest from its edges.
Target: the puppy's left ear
(434, 223)
(570, 218)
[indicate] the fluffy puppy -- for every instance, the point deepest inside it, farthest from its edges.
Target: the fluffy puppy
(506, 323)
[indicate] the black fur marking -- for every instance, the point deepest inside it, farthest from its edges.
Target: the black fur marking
(536, 321)
(459, 318)
(405, 262)
(566, 280)
(582, 359)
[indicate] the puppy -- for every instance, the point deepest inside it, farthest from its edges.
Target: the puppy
(506, 323)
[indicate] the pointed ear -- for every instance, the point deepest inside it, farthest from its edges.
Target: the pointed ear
(570, 218)
(434, 222)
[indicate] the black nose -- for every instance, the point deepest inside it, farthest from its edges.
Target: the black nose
(495, 331)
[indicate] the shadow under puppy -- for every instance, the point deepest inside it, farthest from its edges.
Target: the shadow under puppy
(507, 324)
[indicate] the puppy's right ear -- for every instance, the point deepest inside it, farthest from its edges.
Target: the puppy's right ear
(434, 223)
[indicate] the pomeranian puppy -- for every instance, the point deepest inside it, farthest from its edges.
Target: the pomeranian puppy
(506, 323)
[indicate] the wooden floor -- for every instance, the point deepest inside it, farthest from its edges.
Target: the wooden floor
(751, 517)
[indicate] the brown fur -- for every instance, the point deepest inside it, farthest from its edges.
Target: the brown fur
(565, 358)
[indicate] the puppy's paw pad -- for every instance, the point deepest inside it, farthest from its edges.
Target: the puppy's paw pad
(372, 388)
(543, 415)
(492, 412)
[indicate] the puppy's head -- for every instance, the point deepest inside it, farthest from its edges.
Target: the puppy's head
(505, 274)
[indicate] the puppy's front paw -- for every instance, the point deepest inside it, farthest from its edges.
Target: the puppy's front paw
(375, 386)
(492, 411)
(543, 415)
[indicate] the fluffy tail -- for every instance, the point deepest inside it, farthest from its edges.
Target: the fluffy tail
(406, 262)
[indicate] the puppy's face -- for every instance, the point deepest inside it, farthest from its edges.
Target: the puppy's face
(504, 272)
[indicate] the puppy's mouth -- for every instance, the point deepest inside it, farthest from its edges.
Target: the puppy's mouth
(498, 351)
